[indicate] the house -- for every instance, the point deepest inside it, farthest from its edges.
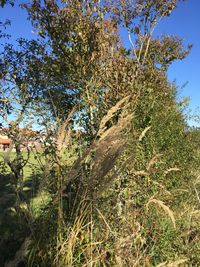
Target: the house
(5, 142)
(28, 138)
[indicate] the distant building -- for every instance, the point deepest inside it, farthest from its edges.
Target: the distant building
(4, 143)
(28, 138)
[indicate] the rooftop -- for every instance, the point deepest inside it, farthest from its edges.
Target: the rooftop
(5, 141)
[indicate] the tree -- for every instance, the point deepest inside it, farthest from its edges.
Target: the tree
(4, 2)
(115, 111)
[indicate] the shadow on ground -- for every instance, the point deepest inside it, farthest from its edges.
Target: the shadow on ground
(13, 225)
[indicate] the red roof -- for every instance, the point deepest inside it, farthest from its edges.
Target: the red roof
(21, 130)
(5, 141)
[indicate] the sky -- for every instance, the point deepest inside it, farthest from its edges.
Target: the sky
(184, 22)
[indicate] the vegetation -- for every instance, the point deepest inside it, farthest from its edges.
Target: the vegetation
(116, 180)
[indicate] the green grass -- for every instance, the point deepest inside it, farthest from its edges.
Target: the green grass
(13, 227)
(30, 167)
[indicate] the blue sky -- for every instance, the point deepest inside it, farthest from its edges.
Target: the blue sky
(184, 22)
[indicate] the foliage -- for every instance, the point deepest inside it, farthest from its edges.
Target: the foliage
(117, 172)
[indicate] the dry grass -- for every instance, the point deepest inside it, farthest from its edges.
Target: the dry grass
(66, 247)
(177, 263)
(167, 210)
